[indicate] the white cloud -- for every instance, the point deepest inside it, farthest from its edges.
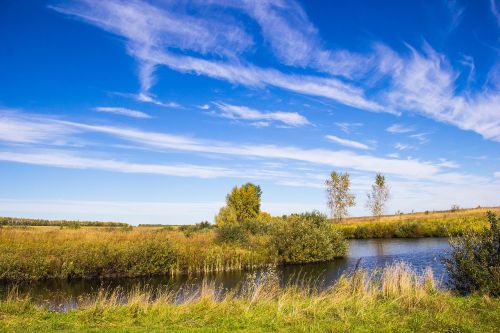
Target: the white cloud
(148, 98)
(495, 11)
(443, 162)
(243, 112)
(68, 159)
(425, 84)
(398, 128)
(348, 143)
(403, 146)
(348, 127)
(123, 111)
(28, 129)
(153, 32)
(393, 155)
(204, 106)
(162, 141)
(421, 137)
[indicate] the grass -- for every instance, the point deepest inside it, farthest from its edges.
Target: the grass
(397, 300)
(120, 252)
(424, 224)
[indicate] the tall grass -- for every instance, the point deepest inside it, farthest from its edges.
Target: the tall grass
(396, 299)
(430, 224)
(48, 252)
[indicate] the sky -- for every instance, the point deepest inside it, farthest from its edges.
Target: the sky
(150, 112)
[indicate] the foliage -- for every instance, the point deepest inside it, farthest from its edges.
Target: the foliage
(17, 221)
(377, 198)
(307, 237)
(231, 233)
(226, 216)
(431, 224)
(245, 201)
(116, 252)
(339, 197)
(399, 302)
(474, 262)
(188, 230)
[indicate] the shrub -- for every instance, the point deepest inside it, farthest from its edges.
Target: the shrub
(231, 233)
(307, 237)
(474, 262)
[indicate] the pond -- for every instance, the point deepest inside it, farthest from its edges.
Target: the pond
(368, 254)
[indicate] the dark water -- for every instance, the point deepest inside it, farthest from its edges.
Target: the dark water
(370, 254)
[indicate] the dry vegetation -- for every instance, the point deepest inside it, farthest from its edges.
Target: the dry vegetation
(395, 300)
(423, 224)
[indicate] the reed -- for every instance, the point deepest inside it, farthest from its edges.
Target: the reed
(395, 299)
(48, 252)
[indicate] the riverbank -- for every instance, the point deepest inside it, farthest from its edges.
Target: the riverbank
(416, 225)
(398, 301)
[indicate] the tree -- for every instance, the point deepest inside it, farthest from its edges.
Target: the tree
(339, 197)
(242, 204)
(378, 196)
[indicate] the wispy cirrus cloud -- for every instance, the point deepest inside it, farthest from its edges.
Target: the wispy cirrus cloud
(398, 128)
(122, 111)
(425, 83)
(348, 143)
(405, 168)
(348, 127)
(217, 45)
(494, 7)
(158, 36)
(264, 118)
(403, 146)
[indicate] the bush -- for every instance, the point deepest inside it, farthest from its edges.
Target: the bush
(307, 237)
(474, 262)
(231, 233)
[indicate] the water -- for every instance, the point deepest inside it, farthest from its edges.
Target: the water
(369, 254)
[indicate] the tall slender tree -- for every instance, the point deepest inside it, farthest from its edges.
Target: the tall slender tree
(339, 196)
(378, 196)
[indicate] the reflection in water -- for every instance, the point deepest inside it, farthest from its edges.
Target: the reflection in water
(419, 253)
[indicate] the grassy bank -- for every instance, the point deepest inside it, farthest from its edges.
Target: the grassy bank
(33, 253)
(425, 224)
(49, 252)
(399, 301)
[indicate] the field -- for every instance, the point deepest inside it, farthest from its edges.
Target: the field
(397, 301)
(425, 224)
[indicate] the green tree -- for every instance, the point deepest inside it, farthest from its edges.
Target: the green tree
(378, 196)
(339, 196)
(242, 204)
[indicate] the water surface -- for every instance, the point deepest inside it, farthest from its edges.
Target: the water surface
(368, 254)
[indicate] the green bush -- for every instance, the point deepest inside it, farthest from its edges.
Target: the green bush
(231, 233)
(474, 262)
(307, 237)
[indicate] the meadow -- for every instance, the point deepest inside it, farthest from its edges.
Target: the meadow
(395, 299)
(414, 225)
(115, 250)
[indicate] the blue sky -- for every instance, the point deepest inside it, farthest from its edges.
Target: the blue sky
(149, 112)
